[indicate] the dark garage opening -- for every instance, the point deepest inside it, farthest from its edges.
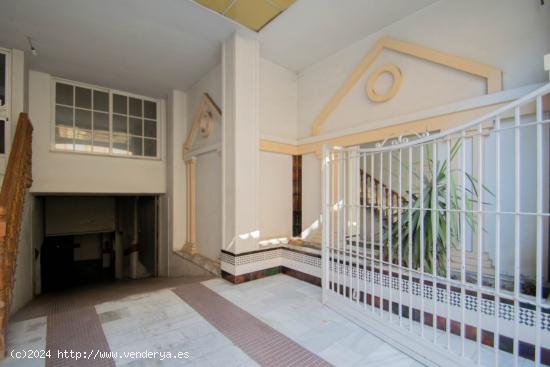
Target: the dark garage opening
(97, 239)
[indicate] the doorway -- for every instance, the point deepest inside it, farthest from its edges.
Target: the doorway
(97, 239)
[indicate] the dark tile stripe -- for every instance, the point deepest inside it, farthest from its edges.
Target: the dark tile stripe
(262, 343)
(77, 330)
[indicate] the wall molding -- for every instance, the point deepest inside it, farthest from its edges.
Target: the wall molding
(492, 75)
(437, 118)
(205, 105)
(206, 109)
(397, 78)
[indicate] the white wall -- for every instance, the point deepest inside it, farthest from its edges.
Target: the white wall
(278, 119)
(176, 179)
(275, 195)
(528, 197)
(59, 172)
(23, 286)
(241, 141)
(512, 35)
(208, 168)
(37, 240)
(278, 101)
(509, 34)
(210, 83)
(16, 99)
(311, 190)
(209, 204)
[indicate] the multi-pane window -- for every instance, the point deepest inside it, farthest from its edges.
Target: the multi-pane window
(3, 77)
(90, 119)
(4, 108)
(134, 126)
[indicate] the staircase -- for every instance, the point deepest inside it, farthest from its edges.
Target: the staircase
(17, 180)
(487, 267)
(381, 196)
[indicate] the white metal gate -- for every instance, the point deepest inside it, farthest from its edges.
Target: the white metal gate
(439, 243)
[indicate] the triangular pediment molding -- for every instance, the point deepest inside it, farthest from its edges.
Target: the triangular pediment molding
(205, 105)
(492, 75)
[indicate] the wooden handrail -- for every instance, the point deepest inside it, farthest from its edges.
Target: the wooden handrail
(16, 182)
(377, 183)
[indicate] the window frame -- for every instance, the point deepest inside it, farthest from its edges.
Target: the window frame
(110, 112)
(5, 109)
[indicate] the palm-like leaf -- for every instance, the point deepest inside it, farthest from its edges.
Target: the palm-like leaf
(409, 233)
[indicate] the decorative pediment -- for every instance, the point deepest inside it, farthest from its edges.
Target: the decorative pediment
(491, 75)
(207, 110)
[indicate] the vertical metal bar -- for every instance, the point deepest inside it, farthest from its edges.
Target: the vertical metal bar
(497, 244)
(326, 222)
(517, 209)
(448, 225)
(390, 239)
(422, 240)
(333, 206)
(479, 238)
(463, 244)
(539, 254)
(372, 203)
(410, 242)
(347, 268)
(339, 226)
(364, 213)
(434, 212)
(357, 174)
(352, 222)
(399, 238)
(381, 233)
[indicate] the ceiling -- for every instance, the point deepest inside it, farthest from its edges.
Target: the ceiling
(313, 29)
(254, 14)
(142, 46)
(153, 46)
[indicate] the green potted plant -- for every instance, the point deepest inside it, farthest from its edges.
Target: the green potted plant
(440, 209)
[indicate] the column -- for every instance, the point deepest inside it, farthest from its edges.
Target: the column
(240, 135)
(191, 243)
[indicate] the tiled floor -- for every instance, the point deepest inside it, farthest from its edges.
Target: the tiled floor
(294, 308)
(160, 321)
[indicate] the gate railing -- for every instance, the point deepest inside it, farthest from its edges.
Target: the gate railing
(482, 188)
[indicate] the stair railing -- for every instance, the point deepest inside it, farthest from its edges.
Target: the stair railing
(16, 182)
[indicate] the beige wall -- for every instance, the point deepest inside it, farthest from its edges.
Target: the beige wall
(58, 172)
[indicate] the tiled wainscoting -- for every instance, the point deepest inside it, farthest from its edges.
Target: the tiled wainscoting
(359, 283)
(299, 262)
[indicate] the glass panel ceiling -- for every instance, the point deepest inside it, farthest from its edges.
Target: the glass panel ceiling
(254, 14)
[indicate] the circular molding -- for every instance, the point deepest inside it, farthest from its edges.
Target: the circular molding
(205, 124)
(371, 83)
